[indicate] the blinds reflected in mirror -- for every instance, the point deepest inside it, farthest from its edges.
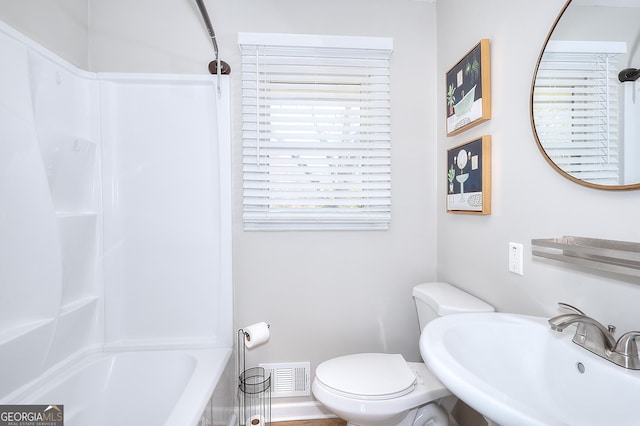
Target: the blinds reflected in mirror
(575, 109)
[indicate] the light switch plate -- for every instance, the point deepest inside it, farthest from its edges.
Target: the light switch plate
(516, 258)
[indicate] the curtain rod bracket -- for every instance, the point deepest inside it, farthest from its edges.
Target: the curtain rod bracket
(629, 74)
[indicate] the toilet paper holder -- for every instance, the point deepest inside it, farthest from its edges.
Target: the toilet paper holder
(254, 384)
(258, 327)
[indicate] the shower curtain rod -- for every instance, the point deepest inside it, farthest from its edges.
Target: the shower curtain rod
(215, 65)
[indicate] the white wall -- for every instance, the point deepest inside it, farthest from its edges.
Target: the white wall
(333, 293)
(60, 25)
(530, 200)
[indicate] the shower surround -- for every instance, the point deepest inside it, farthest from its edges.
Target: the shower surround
(114, 215)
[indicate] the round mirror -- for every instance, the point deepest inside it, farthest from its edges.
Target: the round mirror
(585, 95)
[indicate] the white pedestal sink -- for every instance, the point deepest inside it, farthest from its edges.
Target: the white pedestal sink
(516, 371)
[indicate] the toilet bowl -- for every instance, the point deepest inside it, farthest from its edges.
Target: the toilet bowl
(379, 389)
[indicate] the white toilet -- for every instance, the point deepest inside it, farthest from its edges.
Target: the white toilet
(377, 389)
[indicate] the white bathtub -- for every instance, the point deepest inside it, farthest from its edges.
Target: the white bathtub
(145, 387)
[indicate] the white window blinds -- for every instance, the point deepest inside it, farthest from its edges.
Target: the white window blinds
(575, 107)
(316, 132)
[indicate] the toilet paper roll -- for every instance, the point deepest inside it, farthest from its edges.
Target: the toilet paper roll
(255, 421)
(256, 334)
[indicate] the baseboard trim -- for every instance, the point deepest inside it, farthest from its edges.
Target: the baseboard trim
(303, 410)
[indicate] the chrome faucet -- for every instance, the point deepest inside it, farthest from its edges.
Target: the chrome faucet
(592, 331)
(597, 338)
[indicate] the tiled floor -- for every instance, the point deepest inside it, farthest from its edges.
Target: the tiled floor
(322, 422)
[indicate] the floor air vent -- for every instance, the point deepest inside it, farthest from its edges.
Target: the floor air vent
(289, 379)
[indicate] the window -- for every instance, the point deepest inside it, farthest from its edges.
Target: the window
(575, 107)
(316, 132)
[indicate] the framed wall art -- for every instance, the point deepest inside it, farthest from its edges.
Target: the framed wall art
(469, 90)
(469, 177)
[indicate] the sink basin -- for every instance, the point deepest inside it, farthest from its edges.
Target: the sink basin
(515, 370)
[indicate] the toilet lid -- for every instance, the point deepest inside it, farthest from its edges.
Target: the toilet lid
(368, 376)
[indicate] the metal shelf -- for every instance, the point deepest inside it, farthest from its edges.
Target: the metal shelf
(620, 257)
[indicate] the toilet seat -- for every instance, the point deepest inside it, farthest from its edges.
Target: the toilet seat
(370, 376)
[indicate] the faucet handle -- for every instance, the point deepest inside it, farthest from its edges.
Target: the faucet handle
(626, 344)
(570, 308)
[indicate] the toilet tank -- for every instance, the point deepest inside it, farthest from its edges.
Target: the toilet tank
(438, 299)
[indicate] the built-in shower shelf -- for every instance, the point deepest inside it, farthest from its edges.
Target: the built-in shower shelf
(24, 329)
(620, 257)
(72, 215)
(79, 304)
